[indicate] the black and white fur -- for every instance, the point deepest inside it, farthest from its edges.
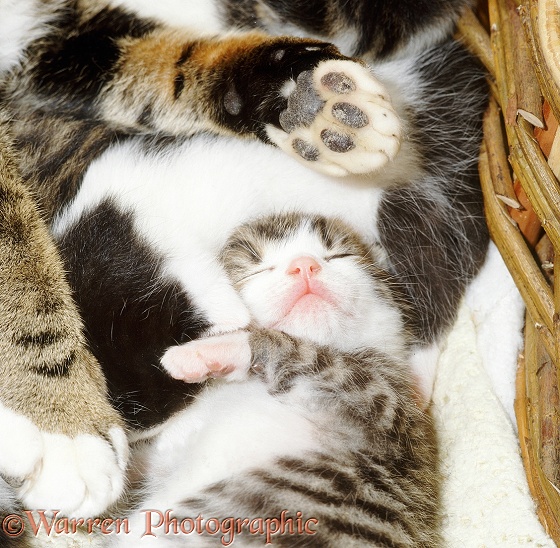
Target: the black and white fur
(158, 210)
(141, 224)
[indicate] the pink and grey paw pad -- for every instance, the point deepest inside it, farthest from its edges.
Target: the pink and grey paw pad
(340, 119)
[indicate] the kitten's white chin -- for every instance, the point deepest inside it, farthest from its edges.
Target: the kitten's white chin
(312, 318)
(309, 308)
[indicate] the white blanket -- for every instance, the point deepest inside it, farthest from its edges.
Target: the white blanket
(486, 498)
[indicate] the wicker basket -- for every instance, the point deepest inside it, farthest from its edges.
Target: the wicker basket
(519, 158)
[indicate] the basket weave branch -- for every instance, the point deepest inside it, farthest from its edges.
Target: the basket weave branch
(517, 42)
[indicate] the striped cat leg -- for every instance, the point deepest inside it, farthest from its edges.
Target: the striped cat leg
(303, 95)
(321, 108)
(62, 445)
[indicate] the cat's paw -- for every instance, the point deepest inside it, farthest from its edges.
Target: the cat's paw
(79, 476)
(217, 356)
(339, 120)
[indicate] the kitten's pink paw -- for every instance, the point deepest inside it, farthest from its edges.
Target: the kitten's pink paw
(218, 356)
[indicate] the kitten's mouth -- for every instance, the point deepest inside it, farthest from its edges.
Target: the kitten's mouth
(308, 299)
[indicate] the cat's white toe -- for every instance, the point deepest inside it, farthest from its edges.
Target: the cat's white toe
(356, 131)
(79, 476)
(183, 363)
(21, 445)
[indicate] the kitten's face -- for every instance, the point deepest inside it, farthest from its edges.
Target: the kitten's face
(313, 278)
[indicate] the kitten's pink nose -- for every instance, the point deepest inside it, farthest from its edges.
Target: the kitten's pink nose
(304, 266)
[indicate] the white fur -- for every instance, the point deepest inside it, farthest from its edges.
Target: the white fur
(425, 38)
(191, 14)
(197, 269)
(79, 476)
(21, 444)
(21, 22)
(177, 199)
(229, 428)
(423, 361)
(242, 417)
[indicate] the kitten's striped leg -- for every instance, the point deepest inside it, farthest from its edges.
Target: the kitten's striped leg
(62, 445)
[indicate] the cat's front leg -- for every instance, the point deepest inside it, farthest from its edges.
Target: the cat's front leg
(62, 445)
(367, 384)
(230, 355)
(210, 289)
(320, 107)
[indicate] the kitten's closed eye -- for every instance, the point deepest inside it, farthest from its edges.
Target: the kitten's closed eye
(255, 273)
(339, 256)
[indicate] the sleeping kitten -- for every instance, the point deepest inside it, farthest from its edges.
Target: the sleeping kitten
(144, 131)
(314, 415)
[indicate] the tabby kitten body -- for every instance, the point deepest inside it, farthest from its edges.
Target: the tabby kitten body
(124, 116)
(314, 412)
